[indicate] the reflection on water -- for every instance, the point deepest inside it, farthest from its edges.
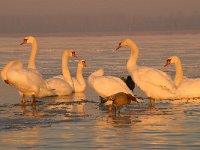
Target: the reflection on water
(77, 121)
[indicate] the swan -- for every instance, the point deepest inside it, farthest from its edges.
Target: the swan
(106, 86)
(154, 83)
(15, 67)
(28, 82)
(63, 85)
(79, 81)
(186, 87)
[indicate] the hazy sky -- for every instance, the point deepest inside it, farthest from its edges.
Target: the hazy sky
(81, 14)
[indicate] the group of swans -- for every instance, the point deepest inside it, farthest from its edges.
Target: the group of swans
(65, 84)
(157, 84)
(29, 81)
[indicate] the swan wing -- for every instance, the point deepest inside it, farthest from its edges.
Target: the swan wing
(107, 85)
(60, 87)
(122, 84)
(155, 77)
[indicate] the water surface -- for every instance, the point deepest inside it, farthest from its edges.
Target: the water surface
(77, 121)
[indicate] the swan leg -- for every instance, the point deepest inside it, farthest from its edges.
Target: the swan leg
(23, 100)
(33, 100)
(110, 107)
(151, 103)
(34, 112)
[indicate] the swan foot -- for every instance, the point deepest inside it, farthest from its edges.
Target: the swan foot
(151, 103)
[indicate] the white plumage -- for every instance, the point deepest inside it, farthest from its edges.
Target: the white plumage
(153, 82)
(105, 86)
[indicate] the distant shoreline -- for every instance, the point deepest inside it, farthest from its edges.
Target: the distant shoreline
(101, 33)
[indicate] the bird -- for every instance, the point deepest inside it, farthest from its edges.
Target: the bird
(129, 82)
(186, 87)
(27, 82)
(30, 76)
(154, 83)
(119, 100)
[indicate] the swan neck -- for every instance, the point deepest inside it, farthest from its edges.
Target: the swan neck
(31, 62)
(179, 72)
(65, 69)
(132, 62)
(79, 74)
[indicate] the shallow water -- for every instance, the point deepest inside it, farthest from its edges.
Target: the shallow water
(77, 121)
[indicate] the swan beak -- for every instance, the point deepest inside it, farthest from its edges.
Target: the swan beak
(119, 46)
(24, 42)
(84, 63)
(74, 55)
(7, 82)
(167, 62)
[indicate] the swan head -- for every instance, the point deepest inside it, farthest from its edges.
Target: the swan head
(171, 60)
(71, 53)
(28, 40)
(82, 63)
(123, 43)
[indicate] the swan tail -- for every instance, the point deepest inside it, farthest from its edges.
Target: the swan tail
(97, 73)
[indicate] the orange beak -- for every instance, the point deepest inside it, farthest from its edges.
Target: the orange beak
(119, 46)
(24, 42)
(84, 64)
(74, 55)
(7, 82)
(167, 63)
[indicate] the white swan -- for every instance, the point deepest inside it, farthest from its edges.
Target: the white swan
(63, 85)
(79, 81)
(154, 83)
(106, 86)
(32, 64)
(28, 82)
(186, 87)
(15, 67)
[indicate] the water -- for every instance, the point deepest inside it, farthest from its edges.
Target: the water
(77, 121)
